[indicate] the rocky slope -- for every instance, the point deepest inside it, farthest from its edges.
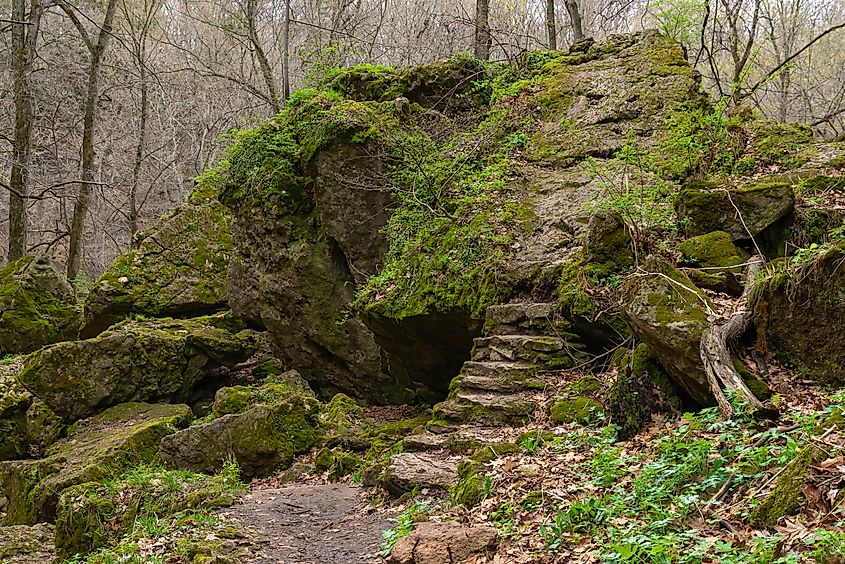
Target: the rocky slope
(529, 257)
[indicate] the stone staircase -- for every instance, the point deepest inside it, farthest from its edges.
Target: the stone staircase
(523, 344)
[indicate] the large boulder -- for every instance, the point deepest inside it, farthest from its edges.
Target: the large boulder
(101, 447)
(37, 306)
(177, 270)
(800, 313)
(438, 543)
(164, 360)
(669, 313)
(27, 426)
(741, 212)
(373, 194)
(262, 429)
(408, 471)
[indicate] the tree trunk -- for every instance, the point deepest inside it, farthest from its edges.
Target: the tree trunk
(133, 212)
(715, 348)
(575, 18)
(551, 25)
(286, 52)
(483, 39)
(24, 40)
(263, 62)
(83, 199)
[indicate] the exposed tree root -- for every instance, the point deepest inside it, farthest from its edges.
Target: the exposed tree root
(717, 340)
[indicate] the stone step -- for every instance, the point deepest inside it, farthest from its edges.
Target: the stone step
(462, 439)
(489, 408)
(544, 352)
(524, 318)
(497, 376)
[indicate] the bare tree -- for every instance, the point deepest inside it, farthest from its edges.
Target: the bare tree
(575, 19)
(551, 25)
(483, 39)
(97, 52)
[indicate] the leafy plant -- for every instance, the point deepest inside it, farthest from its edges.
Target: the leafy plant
(404, 525)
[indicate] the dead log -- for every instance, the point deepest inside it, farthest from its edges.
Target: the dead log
(716, 341)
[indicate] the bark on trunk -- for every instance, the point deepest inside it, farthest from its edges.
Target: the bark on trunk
(575, 18)
(715, 348)
(551, 24)
(483, 40)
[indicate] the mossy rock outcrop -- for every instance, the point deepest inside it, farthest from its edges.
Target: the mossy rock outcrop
(177, 270)
(784, 498)
(104, 446)
(799, 313)
(93, 515)
(717, 259)
(669, 313)
(27, 426)
(37, 306)
(743, 213)
(275, 424)
(24, 544)
(369, 193)
(164, 360)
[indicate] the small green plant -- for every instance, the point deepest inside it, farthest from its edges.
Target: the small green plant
(404, 525)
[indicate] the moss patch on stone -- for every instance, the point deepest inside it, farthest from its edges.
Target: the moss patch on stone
(37, 306)
(101, 447)
(784, 497)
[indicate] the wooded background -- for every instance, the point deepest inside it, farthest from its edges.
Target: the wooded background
(109, 109)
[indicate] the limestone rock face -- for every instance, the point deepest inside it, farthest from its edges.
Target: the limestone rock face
(101, 447)
(262, 438)
(407, 471)
(135, 361)
(347, 293)
(26, 424)
(440, 543)
(742, 212)
(178, 269)
(668, 313)
(801, 311)
(37, 306)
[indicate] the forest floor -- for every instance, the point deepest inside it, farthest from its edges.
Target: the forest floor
(304, 524)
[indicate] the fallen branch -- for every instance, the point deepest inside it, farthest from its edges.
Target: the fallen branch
(715, 348)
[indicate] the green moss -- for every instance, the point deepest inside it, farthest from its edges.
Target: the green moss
(37, 306)
(781, 143)
(757, 386)
(714, 249)
(581, 410)
(341, 413)
(98, 514)
(784, 497)
(337, 462)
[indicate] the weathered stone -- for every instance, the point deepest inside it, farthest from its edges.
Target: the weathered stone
(443, 543)
(741, 212)
(37, 306)
(800, 312)
(27, 426)
(261, 439)
(719, 259)
(101, 447)
(177, 270)
(669, 313)
(409, 470)
(22, 544)
(608, 242)
(135, 361)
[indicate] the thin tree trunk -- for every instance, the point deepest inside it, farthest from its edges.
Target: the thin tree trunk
(483, 39)
(575, 18)
(715, 348)
(286, 52)
(83, 199)
(551, 25)
(263, 62)
(140, 148)
(24, 40)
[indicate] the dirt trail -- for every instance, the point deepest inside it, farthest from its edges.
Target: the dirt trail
(320, 524)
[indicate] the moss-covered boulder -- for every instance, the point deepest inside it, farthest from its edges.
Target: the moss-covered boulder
(784, 497)
(23, 544)
(177, 270)
(669, 313)
(94, 514)
(367, 192)
(717, 261)
(641, 391)
(274, 425)
(165, 360)
(101, 447)
(743, 213)
(37, 306)
(27, 426)
(799, 314)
